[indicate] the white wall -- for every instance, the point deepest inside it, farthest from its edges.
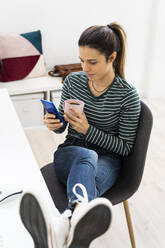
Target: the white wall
(155, 75)
(61, 23)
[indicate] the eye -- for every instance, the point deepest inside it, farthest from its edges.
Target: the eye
(90, 62)
(93, 63)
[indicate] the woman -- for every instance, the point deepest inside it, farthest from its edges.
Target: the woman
(88, 162)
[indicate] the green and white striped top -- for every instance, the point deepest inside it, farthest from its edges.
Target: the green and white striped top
(113, 116)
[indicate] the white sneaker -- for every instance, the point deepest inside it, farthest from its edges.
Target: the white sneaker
(45, 233)
(89, 220)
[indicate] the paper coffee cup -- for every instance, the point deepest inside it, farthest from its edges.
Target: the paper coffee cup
(79, 105)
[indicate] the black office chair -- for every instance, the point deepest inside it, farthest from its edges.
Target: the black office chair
(130, 175)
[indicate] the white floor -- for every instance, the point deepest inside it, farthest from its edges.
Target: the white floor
(147, 206)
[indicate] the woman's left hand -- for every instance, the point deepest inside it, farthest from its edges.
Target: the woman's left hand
(78, 121)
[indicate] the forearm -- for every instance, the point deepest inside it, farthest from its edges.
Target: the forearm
(109, 142)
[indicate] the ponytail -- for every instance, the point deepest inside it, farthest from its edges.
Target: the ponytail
(119, 63)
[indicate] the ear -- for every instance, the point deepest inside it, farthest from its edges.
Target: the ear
(112, 57)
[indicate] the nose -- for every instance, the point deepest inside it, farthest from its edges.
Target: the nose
(85, 67)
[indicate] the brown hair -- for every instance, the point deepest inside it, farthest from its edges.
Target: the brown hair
(107, 39)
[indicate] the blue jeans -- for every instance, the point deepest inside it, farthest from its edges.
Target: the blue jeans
(76, 164)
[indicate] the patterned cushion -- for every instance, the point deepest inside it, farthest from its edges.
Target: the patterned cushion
(21, 56)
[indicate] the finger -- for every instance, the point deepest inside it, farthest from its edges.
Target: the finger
(68, 119)
(71, 122)
(76, 112)
(51, 121)
(50, 116)
(54, 126)
(70, 116)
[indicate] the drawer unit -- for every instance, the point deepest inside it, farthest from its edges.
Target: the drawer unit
(55, 98)
(29, 109)
(26, 95)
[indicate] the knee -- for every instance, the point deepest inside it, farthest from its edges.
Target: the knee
(91, 157)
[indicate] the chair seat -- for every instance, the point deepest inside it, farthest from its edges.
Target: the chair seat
(57, 190)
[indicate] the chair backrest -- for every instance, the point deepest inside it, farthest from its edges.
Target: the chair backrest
(133, 164)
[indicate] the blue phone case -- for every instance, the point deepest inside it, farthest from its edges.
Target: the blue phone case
(50, 108)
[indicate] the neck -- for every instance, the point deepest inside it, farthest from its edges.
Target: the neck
(105, 81)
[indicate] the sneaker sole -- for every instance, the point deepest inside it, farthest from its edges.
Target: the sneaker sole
(92, 225)
(33, 219)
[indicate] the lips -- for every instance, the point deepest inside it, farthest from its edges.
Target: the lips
(90, 75)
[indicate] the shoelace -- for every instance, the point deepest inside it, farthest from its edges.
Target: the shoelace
(81, 199)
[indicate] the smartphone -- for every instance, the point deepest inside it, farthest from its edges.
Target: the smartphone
(50, 108)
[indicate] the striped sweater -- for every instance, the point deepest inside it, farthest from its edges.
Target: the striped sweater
(113, 116)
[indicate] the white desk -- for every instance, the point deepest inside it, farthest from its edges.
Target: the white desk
(18, 167)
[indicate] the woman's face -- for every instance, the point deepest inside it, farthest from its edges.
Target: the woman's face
(94, 63)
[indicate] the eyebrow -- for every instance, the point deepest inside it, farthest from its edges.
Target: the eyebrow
(88, 59)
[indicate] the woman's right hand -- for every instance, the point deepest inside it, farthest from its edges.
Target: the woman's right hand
(51, 122)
